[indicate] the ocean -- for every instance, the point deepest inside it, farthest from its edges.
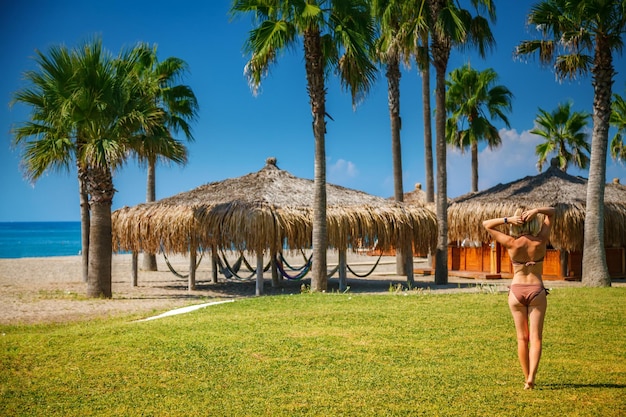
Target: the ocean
(39, 239)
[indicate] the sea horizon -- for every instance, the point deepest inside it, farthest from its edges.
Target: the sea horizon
(39, 239)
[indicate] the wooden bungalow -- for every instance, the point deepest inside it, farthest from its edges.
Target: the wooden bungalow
(473, 254)
(267, 212)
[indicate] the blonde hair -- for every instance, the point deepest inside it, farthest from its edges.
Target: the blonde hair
(531, 227)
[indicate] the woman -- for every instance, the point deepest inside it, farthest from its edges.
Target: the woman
(526, 245)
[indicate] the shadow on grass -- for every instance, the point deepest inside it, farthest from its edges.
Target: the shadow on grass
(247, 287)
(579, 386)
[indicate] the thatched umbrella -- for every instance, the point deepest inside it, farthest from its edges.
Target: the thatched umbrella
(266, 211)
(567, 193)
(418, 195)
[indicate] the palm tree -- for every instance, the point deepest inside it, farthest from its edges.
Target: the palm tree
(179, 106)
(581, 37)
(423, 62)
(327, 28)
(472, 100)
(48, 93)
(85, 105)
(113, 87)
(618, 120)
(393, 45)
(408, 35)
(450, 26)
(417, 27)
(564, 134)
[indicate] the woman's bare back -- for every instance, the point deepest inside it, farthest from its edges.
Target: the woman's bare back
(526, 254)
(527, 248)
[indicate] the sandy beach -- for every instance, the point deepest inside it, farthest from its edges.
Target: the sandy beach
(47, 290)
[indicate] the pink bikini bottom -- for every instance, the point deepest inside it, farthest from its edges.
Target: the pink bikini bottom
(525, 293)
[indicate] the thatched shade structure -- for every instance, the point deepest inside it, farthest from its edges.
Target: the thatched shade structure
(567, 193)
(265, 211)
(554, 188)
(417, 196)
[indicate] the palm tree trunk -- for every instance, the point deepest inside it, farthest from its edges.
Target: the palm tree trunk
(595, 271)
(84, 221)
(149, 259)
(441, 253)
(428, 134)
(393, 99)
(317, 94)
(474, 150)
(100, 241)
(441, 53)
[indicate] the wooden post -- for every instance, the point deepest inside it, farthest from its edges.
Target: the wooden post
(343, 270)
(275, 280)
(259, 272)
(493, 259)
(214, 264)
(134, 268)
(564, 269)
(191, 283)
(410, 279)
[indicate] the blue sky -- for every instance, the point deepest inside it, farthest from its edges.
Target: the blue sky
(237, 131)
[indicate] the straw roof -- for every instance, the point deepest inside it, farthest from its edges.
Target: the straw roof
(416, 196)
(554, 188)
(264, 210)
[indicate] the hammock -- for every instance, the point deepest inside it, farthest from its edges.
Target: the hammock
(282, 258)
(303, 269)
(228, 271)
(369, 273)
(250, 267)
(332, 272)
(307, 266)
(284, 261)
(231, 271)
(171, 268)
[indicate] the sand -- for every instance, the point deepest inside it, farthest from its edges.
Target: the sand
(51, 290)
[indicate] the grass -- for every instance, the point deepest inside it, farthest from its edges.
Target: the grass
(409, 354)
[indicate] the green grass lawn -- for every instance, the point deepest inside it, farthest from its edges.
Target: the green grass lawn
(324, 355)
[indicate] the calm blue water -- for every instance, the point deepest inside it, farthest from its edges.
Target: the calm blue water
(35, 239)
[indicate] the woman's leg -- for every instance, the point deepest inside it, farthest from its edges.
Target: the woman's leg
(536, 315)
(520, 318)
